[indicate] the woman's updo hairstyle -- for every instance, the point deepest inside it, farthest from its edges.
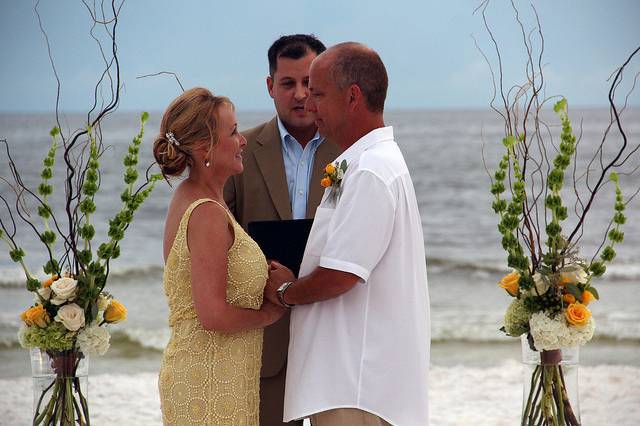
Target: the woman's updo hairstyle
(190, 119)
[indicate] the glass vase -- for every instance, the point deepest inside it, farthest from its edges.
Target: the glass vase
(60, 387)
(550, 394)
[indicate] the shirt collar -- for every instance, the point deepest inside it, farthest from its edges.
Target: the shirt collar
(286, 138)
(381, 134)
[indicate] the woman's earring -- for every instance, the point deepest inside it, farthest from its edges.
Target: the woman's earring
(206, 163)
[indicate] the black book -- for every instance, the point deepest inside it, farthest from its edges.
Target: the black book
(282, 240)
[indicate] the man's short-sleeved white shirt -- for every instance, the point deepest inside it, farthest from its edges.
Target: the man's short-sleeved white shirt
(368, 348)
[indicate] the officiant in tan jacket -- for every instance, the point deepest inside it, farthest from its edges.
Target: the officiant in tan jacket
(283, 164)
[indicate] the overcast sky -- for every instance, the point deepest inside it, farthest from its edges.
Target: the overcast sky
(425, 44)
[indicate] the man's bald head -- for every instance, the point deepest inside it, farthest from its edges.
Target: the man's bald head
(354, 63)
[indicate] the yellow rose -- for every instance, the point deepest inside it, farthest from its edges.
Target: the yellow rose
(587, 297)
(36, 315)
(510, 283)
(47, 283)
(569, 298)
(330, 169)
(577, 314)
(115, 312)
(325, 182)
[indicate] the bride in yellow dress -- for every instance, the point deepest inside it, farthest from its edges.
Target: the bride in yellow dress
(215, 274)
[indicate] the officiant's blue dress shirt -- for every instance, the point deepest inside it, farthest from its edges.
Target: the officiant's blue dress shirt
(298, 166)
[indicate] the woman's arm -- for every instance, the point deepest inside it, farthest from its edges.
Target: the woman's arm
(209, 238)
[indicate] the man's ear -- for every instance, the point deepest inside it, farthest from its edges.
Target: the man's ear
(270, 85)
(355, 97)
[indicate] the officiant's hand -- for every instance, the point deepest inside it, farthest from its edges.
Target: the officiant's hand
(278, 274)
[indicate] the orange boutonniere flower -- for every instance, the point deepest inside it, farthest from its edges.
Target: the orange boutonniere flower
(333, 174)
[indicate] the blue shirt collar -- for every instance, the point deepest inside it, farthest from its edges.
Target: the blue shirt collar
(286, 138)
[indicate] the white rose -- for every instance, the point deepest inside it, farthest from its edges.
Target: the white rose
(541, 283)
(93, 340)
(64, 289)
(574, 274)
(45, 292)
(71, 316)
(103, 302)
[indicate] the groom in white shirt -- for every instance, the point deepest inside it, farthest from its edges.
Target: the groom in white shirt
(360, 331)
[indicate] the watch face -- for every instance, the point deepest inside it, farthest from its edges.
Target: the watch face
(280, 293)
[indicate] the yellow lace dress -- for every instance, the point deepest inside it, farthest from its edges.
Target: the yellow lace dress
(210, 377)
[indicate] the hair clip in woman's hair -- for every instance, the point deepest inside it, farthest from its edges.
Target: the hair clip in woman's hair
(171, 138)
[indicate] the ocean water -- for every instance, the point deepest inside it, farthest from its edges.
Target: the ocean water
(444, 151)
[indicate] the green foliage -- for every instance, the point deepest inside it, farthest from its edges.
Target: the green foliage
(516, 319)
(33, 284)
(497, 188)
(16, 254)
(87, 206)
(526, 282)
(509, 142)
(575, 291)
(44, 211)
(499, 206)
(48, 237)
(45, 190)
(510, 212)
(95, 268)
(130, 176)
(51, 267)
(105, 251)
(560, 106)
(84, 256)
(46, 173)
(86, 231)
(553, 229)
(53, 337)
(91, 273)
(608, 254)
(597, 269)
(616, 236)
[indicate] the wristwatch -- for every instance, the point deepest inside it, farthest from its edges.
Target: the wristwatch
(280, 291)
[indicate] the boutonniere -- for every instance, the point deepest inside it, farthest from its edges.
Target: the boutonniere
(333, 174)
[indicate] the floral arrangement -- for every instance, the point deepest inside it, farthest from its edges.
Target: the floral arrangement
(551, 289)
(332, 178)
(71, 309)
(552, 284)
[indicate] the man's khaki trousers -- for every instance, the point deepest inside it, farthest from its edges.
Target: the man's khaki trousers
(347, 417)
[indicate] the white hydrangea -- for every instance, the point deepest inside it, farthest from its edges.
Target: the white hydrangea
(93, 340)
(549, 334)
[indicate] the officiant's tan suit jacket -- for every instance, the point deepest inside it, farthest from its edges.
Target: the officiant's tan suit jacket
(261, 192)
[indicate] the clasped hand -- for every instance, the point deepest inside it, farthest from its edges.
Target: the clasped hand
(278, 274)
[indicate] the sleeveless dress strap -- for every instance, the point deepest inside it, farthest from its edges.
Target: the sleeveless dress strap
(187, 213)
(184, 222)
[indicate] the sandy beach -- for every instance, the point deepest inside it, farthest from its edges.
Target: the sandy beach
(609, 395)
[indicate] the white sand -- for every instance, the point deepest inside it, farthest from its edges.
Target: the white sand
(609, 395)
